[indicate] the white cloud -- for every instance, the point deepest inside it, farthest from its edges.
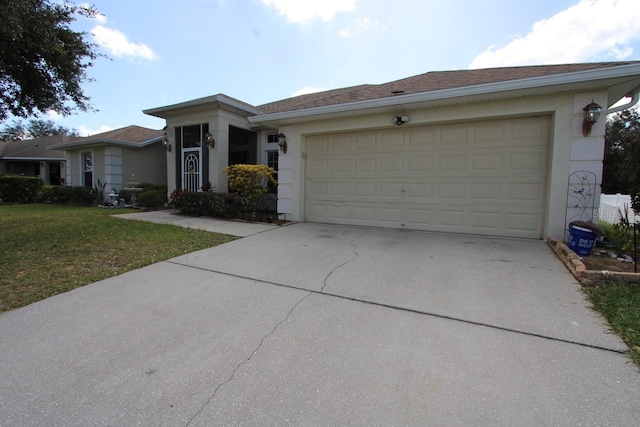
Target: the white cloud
(308, 90)
(85, 131)
(118, 44)
(362, 25)
(53, 115)
(589, 30)
(306, 10)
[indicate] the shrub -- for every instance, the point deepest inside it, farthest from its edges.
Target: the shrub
(218, 205)
(19, 189)
(247, 181)
(152, 198)
(79, 196)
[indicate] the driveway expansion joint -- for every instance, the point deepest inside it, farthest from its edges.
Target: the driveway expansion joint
(253, 353)
(410, 310)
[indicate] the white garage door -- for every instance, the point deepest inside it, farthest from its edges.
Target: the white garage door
(482, 178)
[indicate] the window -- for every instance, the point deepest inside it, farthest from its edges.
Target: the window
(87, 169)
(272, 138)
(272, 161)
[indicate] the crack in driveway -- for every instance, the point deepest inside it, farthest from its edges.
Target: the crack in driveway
(355, 255)
(239, 365)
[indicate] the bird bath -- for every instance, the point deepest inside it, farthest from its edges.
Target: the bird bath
(133, 188)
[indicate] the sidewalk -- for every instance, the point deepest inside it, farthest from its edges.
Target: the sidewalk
(230, 227)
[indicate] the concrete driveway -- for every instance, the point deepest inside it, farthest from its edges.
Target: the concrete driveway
(313, 324)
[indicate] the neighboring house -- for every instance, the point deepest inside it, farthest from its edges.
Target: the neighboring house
(494, 151)
(33, 158)
(112, 157)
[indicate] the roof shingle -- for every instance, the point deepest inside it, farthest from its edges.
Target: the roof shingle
(427, 82)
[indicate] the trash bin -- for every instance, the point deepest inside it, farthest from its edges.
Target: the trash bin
(581, 240)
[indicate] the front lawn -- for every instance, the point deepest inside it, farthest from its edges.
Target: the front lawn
(49, 249)
(620, 304)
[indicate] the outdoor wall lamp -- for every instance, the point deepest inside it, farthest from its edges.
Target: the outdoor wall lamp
(591, 116)
(209, 139)
(400, 120)
(165, 143)
(282, 142)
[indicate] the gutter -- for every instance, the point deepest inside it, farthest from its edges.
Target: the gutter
(34, 159)
(635, 97)
(465, 91)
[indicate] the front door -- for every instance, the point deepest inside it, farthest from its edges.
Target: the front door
(190, 140)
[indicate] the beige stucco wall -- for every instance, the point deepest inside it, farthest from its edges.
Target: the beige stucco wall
(566, 145)
(147, 163)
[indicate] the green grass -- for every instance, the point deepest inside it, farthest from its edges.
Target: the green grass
(620, 305)
(48, 249)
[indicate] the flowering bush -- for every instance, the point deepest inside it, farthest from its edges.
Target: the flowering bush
(249, 182)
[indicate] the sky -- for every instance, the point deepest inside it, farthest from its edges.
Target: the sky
(164, 52)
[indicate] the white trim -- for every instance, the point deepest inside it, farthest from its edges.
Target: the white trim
(202, 101)
(103, 142)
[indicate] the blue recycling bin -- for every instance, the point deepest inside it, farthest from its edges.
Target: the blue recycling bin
(581, 240)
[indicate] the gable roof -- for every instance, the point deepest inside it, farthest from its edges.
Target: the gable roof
(33, 149)
(129, 136)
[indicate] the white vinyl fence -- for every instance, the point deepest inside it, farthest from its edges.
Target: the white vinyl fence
(612, 204)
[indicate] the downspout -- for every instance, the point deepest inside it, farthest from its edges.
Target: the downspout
(635, 96)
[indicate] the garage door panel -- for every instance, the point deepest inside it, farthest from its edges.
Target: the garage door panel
(421, 140)
(485, 221)
(526, 160)
(489, 134)
(486, 191)
(340, 166)
(454, 135)
(340, 144)
(392, 140)
(366, 165)
(484, 178)
(452, 162)
(420, 163)
(420, 191)
(487, 162)
(365, 141)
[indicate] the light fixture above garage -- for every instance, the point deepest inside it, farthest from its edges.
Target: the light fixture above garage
(400, 120)
(209, 140)
(591, 116)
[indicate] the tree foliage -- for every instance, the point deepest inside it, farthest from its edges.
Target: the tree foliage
(621, 169)
(43, 62)
(18, 130)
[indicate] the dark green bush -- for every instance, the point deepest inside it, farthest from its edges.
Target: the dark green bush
(217, 205)
(61, 195)
(152, 198)
(19, 189)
